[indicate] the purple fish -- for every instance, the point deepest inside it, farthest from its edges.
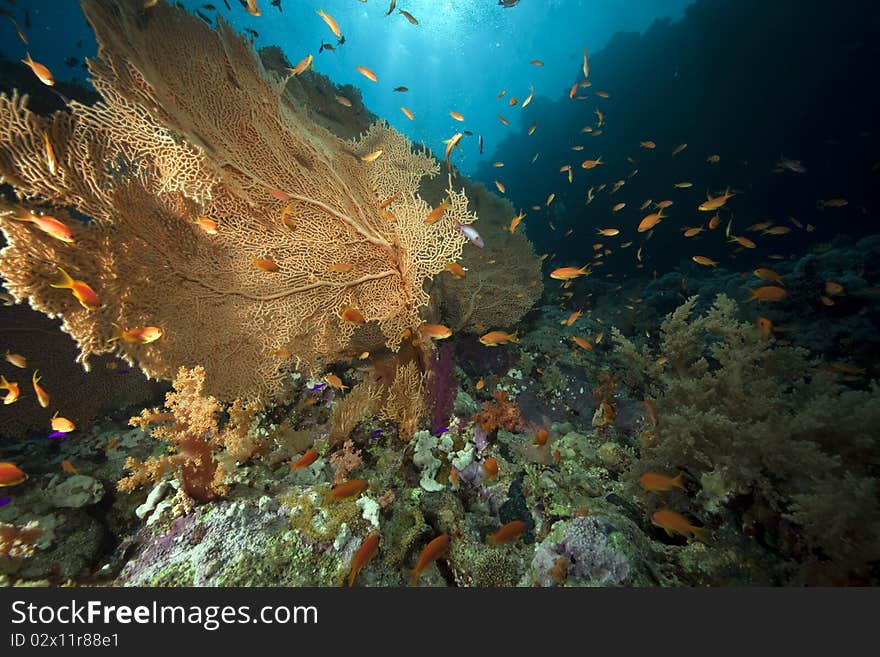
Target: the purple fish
(441, 431)
(317, 387)
(4, 501)
(375, 434)
(472, 235)
(57, 434)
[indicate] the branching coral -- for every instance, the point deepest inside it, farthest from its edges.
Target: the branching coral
(364, 398)
(199, 447)
(190, 125)
(405, 401)
(765, 433)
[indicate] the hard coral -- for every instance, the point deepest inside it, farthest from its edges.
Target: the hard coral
(190, 124)
(500, 413)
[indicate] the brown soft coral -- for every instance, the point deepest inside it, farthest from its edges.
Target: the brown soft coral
(500, 413)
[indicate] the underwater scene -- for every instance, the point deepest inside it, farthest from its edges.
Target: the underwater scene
(439, 293)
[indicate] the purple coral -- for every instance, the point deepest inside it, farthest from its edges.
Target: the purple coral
(585, 554)
(442, 387)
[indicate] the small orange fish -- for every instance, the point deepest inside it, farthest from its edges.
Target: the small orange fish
(609, 232)
(302, 66)
(279, 194)
(768, 275)
(365, 552)
(765, 326)
(342, 100)
(503, 120)
(490, 468)
(266, 264)
(777, 230)
(335, 382)
(12, 388)
(68, 467)
(16, 359)
(207, 224)
(408, 113)
(388, 201)
(42, 395)
(350, 488)
(252, 8)
(568, 273)
(713, 159)
(703, 260)
(43, 73)
(11, 475)
(541, 437)
(437, 213)
(652, 411)
(516, 221)
(81, 290)
(332, 24)
(372, 157)
(660, 483)
(712, 204)
(618, 208)
(507, 533)
(367, 73)
(714, 222)
(500, 186)
(591, 164)
(495, 338)
(51, 160)
(429, 555)
(675, 523)
(583, 343)
(458, 116)
(112, 444)
(49, 225)
(571, 319)
(340, 267)
(456, 270)
(743, 241)
(650, 145)
(649, 221)
(305, 460)
(353, 315)
(61, 424)
(435, 331)
(693, 232)
(683, 185)
(480, 384)
(679, 149)
(139, 334)
(831, 288)
(767, 293)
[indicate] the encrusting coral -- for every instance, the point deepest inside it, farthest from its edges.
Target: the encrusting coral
(190, 125)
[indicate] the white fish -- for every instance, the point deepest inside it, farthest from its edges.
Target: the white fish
(472, 235)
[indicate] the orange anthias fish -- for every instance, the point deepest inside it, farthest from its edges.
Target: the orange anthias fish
(650, 221)
(609, 232)
(367, 73)
(252, 8)
(516, 221)
(767, 293)
(81, 290)
(648, 144)
(768, 275)
(569, 273)
(266, 264)
(659, 483)
(408, 113)
(16, 359)
(675, 523)
(352, 315)
(541, 437)
(507, 533)
(371, 157)
(49, 225)
(365, 552)
(342, 100)
(456, 270)
(703, 260)
(429, 555)
(490, 468)
(139, 334)
(305, 460)
(61, 424)
(335, 382)
(302, 66)
(12, 388)
(451, 143)
(765, 326)
(43, 73)
(42, 395)
(207, 224)
(571, 319)
(11, 475)
(591, 164)
(51, 160)
(331, 23)
(712, 204)
(583, 343)
(68, 467)
(495, 338)
(435, 331)
(350, 488)
(458, 116)
(743, 241)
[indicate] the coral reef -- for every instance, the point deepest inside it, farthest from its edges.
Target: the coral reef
(282, 190)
